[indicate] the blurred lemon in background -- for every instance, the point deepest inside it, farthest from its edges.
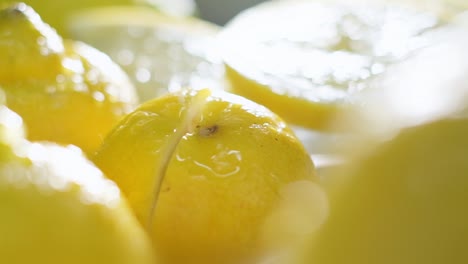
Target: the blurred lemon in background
(306, 60)
(57, 207)
(401, 196)
(214, 177)
(160, 53)
(404, 201)
(65, 91)
(57, 12)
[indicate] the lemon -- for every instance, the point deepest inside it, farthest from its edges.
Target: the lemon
(306, 60)
(57, 207)
(427, 86)
(400, 197)
(213, 177)
(57, 12)
(404, 202)
(66, 91)
(157, 51)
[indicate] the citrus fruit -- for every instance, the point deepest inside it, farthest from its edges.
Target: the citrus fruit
(158, 52)
(213, 177)
(65, 91)
(57, 207)
(404, 202)
(305, 60)
(57, 12)
(400, 196)
(428, 85)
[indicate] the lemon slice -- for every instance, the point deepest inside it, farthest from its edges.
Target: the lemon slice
(58, 19)
(306, 59)
(173, 7)
(157, 51)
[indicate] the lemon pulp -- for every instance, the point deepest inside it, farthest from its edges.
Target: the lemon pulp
(160, 53)
(306, 59)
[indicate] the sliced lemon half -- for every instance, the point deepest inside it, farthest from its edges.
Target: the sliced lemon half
(305, 60)
(159, 52)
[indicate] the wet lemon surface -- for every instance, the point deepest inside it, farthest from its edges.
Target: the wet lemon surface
(58, 207)
(66, 91)
(204, 170)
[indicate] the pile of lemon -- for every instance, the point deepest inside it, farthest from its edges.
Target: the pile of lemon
(302, 132)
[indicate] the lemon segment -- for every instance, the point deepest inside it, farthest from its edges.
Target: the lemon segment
(305, 60)
(207, 157)
(160, 53)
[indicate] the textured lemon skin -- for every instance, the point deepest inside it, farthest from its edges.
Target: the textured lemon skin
(72, 113)
(404, 202)
(57, 207)
(221, 182)
(66, 91)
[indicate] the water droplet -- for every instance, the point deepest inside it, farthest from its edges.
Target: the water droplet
(73, 65)
(223, 164)
(125, 57)
(60, 78)
(98, 96)
(41, 41)
(92, 76)
(143, 75)
(50, 89)
(81, 87)
(44, 51)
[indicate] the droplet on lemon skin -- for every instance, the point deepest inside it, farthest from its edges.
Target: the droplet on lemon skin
(29, 48)
(212, 193)
(403, 202)
(57, 207)
(66, 91)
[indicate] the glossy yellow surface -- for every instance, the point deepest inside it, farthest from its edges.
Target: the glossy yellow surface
(57, 207)
(403, 202)
(306, 60)
(65, 91)
(206, 171)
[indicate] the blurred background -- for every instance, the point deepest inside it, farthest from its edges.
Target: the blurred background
(219, 12)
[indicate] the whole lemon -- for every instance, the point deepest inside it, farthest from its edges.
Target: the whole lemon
(401, 196)
(57, 207)
(213, 176)
(404, 202)
(66, 91)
